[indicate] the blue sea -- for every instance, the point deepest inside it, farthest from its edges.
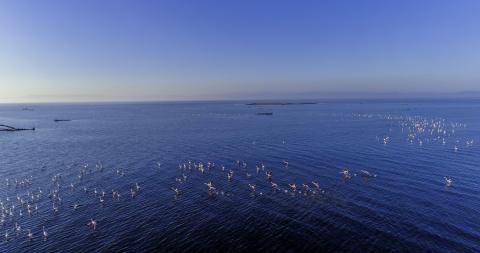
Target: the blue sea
(392, 176)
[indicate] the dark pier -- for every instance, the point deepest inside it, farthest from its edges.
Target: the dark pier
(13, 129)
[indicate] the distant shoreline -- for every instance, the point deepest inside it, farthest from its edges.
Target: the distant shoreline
(248, 101)
(283, 103)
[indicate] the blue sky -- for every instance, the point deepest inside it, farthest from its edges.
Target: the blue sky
(91, 50)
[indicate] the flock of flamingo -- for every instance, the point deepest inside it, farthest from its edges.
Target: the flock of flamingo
(422, 130)
(27, 199)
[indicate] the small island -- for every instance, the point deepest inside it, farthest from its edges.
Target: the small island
(283, 103)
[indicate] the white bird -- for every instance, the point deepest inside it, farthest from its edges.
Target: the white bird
(448, 181)
(45, 233)
(346, 173)
(293, 186)
(92, 224)
(306, 188)
(176, 190)
(386, 140)
(367, 174)
(18, 228)
(269, 175)
(252, 186)
(210, 186)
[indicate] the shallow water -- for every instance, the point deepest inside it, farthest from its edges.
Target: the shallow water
(407, 207)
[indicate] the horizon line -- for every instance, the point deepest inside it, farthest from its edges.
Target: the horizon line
(317, 99)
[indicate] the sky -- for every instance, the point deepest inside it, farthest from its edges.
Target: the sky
(140, 50)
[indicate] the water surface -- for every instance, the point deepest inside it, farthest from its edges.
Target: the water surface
(409, 145)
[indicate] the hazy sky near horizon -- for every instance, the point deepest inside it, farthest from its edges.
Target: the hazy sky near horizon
(90, 50)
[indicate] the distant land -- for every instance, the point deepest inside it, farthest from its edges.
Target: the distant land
(258, 98)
